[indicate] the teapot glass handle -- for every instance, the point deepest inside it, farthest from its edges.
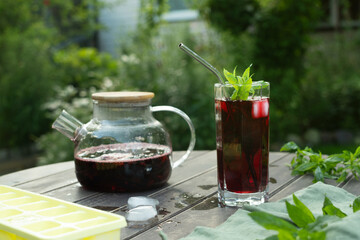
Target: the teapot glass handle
(191, 126)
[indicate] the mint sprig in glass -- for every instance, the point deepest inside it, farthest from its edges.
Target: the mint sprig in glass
(243, 84)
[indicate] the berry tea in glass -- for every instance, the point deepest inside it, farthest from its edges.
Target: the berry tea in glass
(242, 143)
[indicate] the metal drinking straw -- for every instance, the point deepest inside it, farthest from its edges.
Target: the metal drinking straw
(202, 61)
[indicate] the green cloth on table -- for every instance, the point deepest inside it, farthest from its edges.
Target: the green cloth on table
(241, 226)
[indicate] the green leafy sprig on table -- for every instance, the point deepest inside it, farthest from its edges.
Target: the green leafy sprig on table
(304, 225)
(242, 84)
(336, 166)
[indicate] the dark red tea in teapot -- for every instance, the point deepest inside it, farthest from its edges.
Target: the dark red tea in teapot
(123, 167)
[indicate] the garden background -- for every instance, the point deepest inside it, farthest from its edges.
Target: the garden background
(50, 61)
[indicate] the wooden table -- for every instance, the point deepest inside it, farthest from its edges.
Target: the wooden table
(188, 200)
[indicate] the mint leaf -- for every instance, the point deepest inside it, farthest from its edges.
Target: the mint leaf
(305, 234)
(272, 222)
(330, 209)
(317, 236)
(234, 72)
(342, 176)
(356, 204)
(289, 147)
(235, 94)
(307, 152)
(298, 215)
(304, 208)
(318, 174)
(327, 202)
(230, 77)
(355, 171)
(334, 159)
(357, 152)
(242, 84)
(246, 74)
(284, 235)
(310, 228)
(244, 92)
(305, 166)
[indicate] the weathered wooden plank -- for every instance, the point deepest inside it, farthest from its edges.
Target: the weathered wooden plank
(353, 186)
(274, 156)
(32, 174)
(72, 193)
(49, 183)
(298, 183)
(279, 172)
(291, 186)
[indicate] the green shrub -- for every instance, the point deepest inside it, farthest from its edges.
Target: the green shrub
(26, 80)
(75, 21)
(85, 67)
(232, 16)
(334, 84)
(29, 32)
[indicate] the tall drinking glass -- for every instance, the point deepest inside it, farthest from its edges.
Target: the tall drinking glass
(242, 143)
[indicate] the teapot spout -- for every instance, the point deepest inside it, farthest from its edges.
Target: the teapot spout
(67, 125)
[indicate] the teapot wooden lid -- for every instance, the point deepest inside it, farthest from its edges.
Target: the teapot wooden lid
(122, 96)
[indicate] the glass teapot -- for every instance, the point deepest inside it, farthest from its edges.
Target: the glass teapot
(123, 148)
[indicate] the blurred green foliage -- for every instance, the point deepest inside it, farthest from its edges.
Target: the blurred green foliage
(330, 90)
(232, 16)
(85, 67)
(26, 81)
(26, 73)
(30, 33)
(72, 18)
